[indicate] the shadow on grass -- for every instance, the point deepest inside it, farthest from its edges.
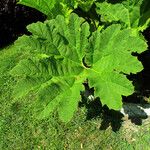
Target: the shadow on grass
(109, 117)
(94, 110)
(141, 96)
(136, 113)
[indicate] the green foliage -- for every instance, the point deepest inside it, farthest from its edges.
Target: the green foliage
(131, 14)
(145, 14)
(44, 6)
(52, 8)
(67, 50)
(85, 4)
(55, 68)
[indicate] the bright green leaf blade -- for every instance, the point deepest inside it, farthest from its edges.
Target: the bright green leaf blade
(47, 58)
(55, 52)
(117, 44)
(44, 39)
(75, 32)
(68, 38)
(52, 88)
(50, 94)
(61, 95)
(112, 56)
(26, 67)
(46, 67)
(131, 13)
(69, 104)
(99, 43)
(24, 86)
(45, 6)
(110, 87)
(46, 109)
(42, 30)
(113, 12)
(129, 65)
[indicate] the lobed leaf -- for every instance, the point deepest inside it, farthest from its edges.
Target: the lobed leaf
(64, 98)
(44, 6)
(112, 58)
(75, 33)
(128, 13)
(24, 86)
(110, 86)
(51, 8)
(113, 12)
(59, 51)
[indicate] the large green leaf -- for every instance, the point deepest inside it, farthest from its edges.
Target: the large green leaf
(112, 57)
(113, 12)
(24, 86)
(51, 8)
(37, 73)
(117, 44)
(68, 38)
(76, 34)
(60, 50)
(62, 97)
(44, 6)
(54, 65)
(110, 87)
(127, 12)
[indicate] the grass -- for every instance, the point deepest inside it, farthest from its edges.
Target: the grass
(19, 130)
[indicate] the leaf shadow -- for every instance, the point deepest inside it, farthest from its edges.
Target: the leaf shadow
(135, 112)
(109, 117)
(94, 109)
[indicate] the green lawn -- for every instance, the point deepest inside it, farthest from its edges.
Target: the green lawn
(19, 130)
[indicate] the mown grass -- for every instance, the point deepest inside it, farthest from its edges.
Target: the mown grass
(19, 130)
